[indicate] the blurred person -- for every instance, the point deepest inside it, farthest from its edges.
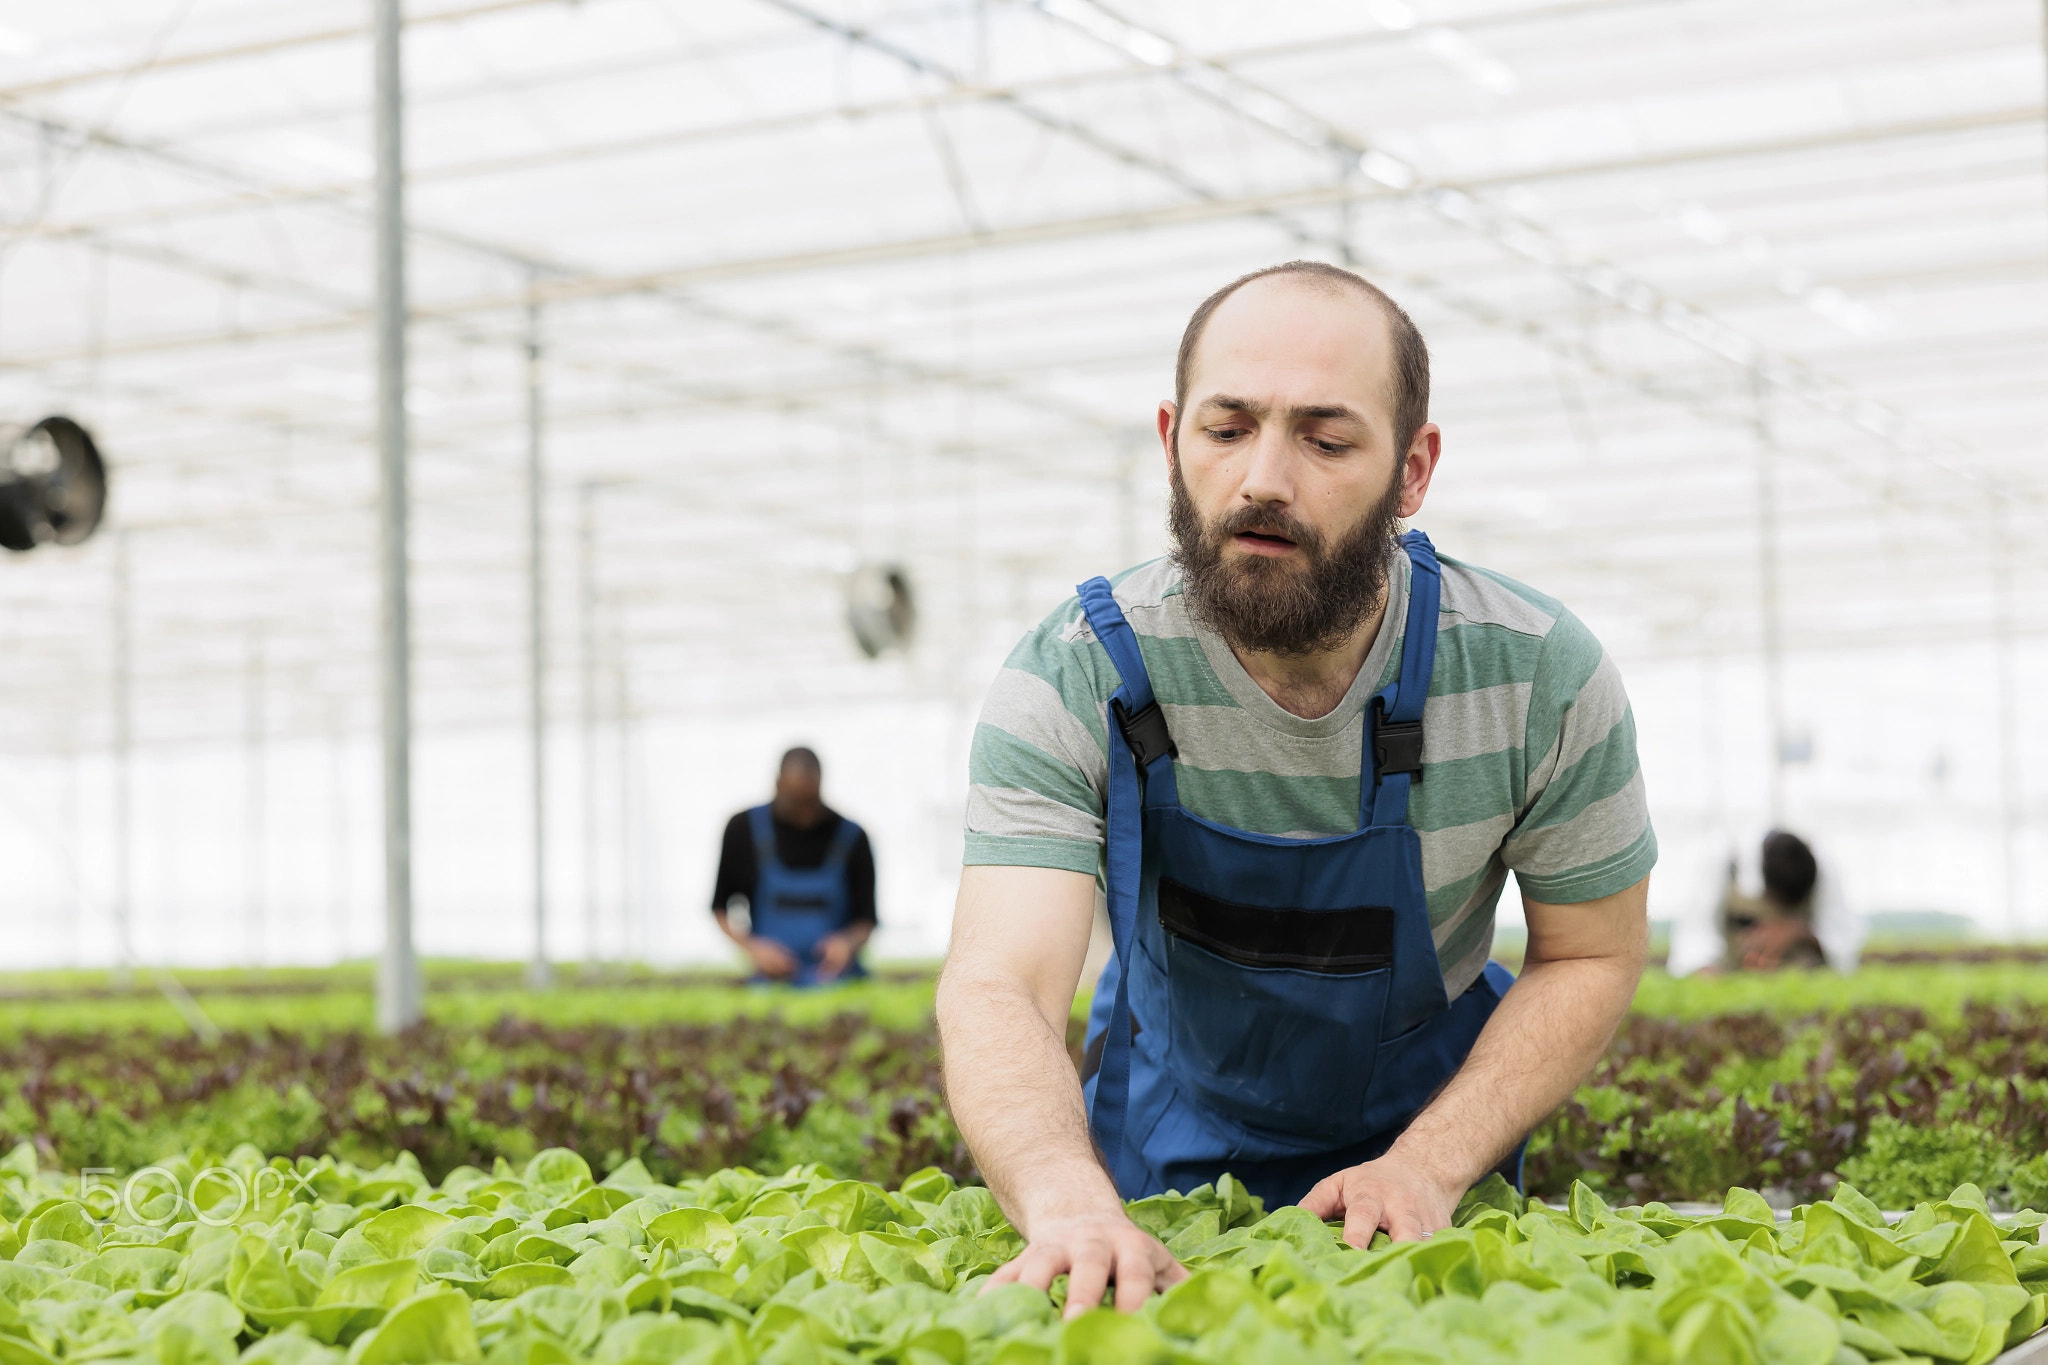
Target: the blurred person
(808, 876)
(1795, 917)
(1301, 860)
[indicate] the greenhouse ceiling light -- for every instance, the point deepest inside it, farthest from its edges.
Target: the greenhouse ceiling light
(1154, 49)
(1469, 60)
(53, 484)
(1107, 28)
(1394, 15)
(1386, 169)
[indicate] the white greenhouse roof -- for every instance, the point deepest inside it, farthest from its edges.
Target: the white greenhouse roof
(825, 281)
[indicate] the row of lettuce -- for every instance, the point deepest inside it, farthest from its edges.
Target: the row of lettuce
(466, 995)
(1902, 1101)
(220, 1261)
(680, 1099)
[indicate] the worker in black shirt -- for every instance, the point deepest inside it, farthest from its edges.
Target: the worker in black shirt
(808, 874)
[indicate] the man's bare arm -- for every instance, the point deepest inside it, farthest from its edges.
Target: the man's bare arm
(1020, 935)
(1578, 977)
(836, 949)
(770, 958)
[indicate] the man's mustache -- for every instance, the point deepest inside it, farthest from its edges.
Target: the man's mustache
(1264, 521)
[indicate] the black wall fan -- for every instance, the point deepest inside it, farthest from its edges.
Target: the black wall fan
(880, 608)
(53, 484)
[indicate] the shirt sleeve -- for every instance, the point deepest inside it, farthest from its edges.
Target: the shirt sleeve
(1696, 930)
(1039, 765)
(1841, 930)
(860, 880)
(1584, 828)
(737, 871)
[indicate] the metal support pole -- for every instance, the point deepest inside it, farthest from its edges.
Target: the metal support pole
(586, 621)
(1767, 577)
(96, 343)
(537, 972)
(339, 863)
(253, 797)
(75, 805)
(2006, 669)
(124, 758)
(1711, 738)
(398, 984)
(622, 704)
(1127, 504)
(1343, 171)
(2011, 793)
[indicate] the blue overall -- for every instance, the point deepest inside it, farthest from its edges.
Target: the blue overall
(1283, 1015)
(798, 906)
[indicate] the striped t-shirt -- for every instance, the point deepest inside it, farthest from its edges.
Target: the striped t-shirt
(1529, 749)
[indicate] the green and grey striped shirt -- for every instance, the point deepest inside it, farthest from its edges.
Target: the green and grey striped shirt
(1528, 744)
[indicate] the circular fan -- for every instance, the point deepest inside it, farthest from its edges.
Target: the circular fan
(53, 484)
(880, 608)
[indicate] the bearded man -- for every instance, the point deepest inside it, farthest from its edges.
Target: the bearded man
(1298, 758)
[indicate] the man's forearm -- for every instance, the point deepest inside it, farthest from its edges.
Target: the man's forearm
(1014, 1094)
(1542, 1040)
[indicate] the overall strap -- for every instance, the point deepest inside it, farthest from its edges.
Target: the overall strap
(1134, 715)
(843, 840)
(1393, 720)
(762, 823)
(1138, 744)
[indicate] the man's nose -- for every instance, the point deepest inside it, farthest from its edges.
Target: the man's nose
(1269, 473)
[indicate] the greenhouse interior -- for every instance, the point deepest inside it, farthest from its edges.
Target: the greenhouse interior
(1735, 349)
(457, 450)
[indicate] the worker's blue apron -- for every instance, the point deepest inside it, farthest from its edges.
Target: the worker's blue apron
(799, 906)
(1284, 1014)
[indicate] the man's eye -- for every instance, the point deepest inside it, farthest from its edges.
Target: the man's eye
(1225, 433)
(1331, 447)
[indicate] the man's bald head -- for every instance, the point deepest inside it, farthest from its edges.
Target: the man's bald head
(799, 783)
(1408, 377)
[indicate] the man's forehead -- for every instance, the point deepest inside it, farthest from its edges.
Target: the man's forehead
(1287, 343)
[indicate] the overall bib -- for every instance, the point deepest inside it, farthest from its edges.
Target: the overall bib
(1274, 1007)
(797, 907)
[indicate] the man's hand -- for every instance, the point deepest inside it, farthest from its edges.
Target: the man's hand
(1409, 1202)
(771, 959)
(1020, 935)
(1578, 976)
(835, 951)
(1092, 1250)
(1764, 946)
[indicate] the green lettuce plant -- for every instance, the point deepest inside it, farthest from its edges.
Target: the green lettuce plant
(248, 1261)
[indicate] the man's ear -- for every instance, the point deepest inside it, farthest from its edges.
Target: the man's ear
(1169, 416)
(1418, 467)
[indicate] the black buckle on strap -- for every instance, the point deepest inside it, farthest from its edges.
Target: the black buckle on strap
(1397, 746)
(1145, 731)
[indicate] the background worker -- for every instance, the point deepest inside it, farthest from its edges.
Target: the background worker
(808, 875)
(1786, 909)
(1303, 754)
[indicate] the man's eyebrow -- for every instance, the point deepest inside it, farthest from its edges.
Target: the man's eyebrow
(1325, 412)
(1330, 412)
(1230, 403)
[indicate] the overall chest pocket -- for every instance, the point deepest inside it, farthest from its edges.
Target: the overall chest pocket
(1275, 1014)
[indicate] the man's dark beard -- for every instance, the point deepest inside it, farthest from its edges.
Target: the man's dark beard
(1275, 606)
